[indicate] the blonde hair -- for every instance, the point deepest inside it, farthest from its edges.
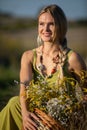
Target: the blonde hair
(59, 19)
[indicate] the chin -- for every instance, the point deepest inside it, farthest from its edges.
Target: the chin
(47, 40)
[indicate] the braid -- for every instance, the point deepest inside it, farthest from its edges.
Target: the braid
(63, 44)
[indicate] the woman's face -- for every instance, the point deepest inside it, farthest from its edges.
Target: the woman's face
(46, 27)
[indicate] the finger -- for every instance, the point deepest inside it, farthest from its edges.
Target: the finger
(29, 124)
(34, 116)
(35, 119)
(29, 127)
(32, 122)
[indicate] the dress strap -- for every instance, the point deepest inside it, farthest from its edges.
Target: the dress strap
(70, 52)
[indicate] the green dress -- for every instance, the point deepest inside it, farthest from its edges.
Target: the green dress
(10, 116)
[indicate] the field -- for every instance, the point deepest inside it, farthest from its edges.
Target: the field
(77, 40)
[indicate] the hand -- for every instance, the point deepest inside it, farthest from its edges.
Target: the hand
(29, 121)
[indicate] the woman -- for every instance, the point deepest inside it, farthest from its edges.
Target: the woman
(46, 65)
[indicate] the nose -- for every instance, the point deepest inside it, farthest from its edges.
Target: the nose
(47, 28)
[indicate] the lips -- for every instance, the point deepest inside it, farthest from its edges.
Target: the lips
(47, 34)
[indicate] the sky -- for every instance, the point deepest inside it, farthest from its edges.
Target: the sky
(74, 9)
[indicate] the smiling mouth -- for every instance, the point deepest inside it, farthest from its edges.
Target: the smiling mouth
(47, 34)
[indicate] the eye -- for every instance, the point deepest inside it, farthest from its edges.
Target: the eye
(41, 23)
(51, 23)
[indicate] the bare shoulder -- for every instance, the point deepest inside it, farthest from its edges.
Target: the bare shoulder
(27, 56)
(76, 62)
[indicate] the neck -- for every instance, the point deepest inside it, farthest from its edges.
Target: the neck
(50, 48)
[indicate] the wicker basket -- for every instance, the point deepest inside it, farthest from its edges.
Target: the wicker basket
(46, 122)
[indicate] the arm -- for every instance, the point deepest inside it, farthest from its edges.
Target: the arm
(77, 64)
(26, 77)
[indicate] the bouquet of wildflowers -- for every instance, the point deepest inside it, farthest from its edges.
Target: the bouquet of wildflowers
(59, 101)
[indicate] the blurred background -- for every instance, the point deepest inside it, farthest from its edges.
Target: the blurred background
(18, 32)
